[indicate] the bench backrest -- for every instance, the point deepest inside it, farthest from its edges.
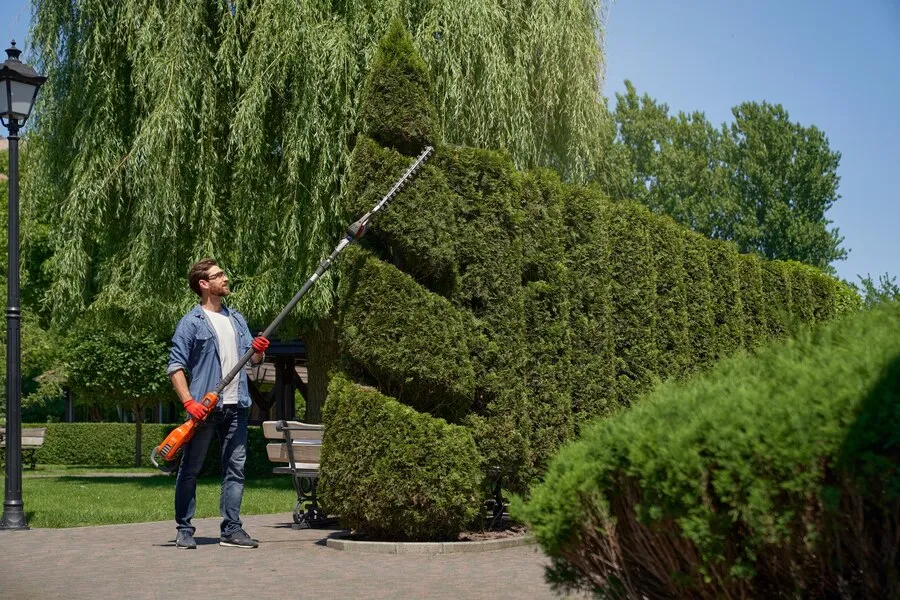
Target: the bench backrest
(306, 441)
(31, 436)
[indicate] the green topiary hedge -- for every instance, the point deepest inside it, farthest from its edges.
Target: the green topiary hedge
(633, 299)
(590, 314)
(727, 308)
(702, 341)
(416, 233)
(773, 475)
(112, 445)
(755, 313)
(546, 285)
(412, 342)
(395, 108)
(393, 473)
(566, 306)
(672, 336)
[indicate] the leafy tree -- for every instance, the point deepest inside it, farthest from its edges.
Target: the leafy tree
(786, 178)
(224, 128)
(42, 371)
(763, 182)
(886, 290)
(119, 365)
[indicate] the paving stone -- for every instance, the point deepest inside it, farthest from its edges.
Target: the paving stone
(141, 561)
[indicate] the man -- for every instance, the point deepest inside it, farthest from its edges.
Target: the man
(208, 342)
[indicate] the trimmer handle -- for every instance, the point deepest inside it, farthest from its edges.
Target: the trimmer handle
(171, 447)
(210, 400)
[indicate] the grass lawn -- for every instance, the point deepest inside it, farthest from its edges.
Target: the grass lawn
(68, 498)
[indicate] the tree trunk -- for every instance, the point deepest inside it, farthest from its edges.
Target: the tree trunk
(138, 420)
(322, 352)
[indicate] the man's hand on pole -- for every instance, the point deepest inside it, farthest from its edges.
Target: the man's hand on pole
(260, 344)
(195, 409)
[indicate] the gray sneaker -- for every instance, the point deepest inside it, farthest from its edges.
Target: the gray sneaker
(238, 539)
(185, 540)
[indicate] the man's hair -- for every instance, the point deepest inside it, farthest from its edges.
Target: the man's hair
(198, 272)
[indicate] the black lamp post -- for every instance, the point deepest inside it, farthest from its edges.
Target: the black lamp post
(19, 85)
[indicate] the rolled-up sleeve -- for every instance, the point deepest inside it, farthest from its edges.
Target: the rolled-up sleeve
(181, 347)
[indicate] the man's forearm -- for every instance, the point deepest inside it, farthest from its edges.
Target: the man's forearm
(179, 382)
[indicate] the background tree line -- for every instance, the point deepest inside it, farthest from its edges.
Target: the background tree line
(762, 181)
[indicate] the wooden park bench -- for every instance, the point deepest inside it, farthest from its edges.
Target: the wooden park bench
(32, 439)
(298, 449)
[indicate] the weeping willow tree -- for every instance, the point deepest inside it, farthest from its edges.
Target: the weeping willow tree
(168, 131)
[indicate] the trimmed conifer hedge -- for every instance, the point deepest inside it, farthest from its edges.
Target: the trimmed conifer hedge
(395, 108)
(772, 475)
(417, 231)
(412, 342)
(393, 473)
(590, 324)
(546, 304)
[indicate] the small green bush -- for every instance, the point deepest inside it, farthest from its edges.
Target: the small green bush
(393, 473)
(772, 475)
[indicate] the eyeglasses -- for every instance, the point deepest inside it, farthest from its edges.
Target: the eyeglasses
(215, 275)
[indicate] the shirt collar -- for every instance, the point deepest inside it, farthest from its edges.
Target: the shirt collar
(197, 311)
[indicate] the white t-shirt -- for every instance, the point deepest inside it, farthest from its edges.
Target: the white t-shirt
(227, 353)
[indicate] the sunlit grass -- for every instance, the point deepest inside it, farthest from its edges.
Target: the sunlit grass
(78, 501)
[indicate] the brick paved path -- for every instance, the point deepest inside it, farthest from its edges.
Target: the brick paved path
(140, 561)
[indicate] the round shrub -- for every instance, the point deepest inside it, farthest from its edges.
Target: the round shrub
(392, 473)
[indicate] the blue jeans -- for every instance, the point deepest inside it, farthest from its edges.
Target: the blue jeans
(230, 424)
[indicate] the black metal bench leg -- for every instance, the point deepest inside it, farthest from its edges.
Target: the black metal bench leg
(307, 512)
(497, 505)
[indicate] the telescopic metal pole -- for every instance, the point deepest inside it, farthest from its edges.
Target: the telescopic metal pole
(354, 232)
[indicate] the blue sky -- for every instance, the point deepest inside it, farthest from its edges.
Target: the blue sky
(835, 65)
(832, 64)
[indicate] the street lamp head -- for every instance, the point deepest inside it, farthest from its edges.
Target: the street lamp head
(19, 85)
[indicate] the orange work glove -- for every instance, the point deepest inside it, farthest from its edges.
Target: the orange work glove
(196, 410)
(260, 344)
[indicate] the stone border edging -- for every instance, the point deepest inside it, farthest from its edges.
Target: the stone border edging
(428, 547)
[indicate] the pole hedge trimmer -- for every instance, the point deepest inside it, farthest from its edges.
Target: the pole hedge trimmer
(171, 448)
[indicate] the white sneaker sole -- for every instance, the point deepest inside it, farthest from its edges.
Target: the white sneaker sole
(230, 545)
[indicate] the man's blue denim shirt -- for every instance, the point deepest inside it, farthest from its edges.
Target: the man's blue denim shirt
(195, 348)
